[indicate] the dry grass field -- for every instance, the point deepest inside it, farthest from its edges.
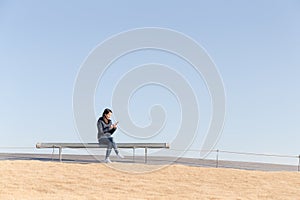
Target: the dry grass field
(53, 180)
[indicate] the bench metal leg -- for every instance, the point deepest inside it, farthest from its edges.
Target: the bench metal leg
(133, 154)
(146, 154)
(60, 154)
(53, 149)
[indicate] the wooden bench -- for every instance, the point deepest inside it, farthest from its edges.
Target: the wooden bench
(133, 146)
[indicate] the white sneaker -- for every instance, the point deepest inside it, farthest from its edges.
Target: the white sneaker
(120, 155)
(107, 160)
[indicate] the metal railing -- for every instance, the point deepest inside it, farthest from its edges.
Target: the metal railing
(217, 152)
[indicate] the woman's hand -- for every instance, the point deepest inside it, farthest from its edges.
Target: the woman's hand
(114, 126)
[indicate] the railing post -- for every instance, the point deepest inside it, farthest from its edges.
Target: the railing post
(298, 163)
(217, 159)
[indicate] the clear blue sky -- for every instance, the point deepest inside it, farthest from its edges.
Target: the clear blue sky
(255, 45)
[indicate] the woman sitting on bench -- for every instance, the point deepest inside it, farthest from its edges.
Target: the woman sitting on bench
(105, 130)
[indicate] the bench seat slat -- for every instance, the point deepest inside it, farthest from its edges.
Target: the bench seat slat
(96, 145)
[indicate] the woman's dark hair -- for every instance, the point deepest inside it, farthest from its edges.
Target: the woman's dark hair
(106, 111)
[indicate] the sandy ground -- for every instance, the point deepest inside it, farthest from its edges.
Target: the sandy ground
(52, 180)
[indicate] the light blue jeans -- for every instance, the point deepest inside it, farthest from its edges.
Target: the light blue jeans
(109, 141)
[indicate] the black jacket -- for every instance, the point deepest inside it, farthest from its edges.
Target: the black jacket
(104, 129)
